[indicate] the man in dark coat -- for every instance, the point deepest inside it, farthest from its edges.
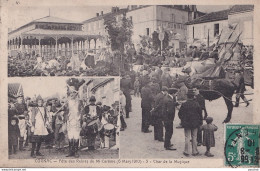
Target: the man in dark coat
(157, 112)
(200, 99)
(169, 104)
(146, 105)
(190, 115)
(125, 85)
(239, 81)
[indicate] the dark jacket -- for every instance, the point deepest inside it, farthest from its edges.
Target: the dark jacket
(13, 134)
(169, 104)
(147, 97)
(158, 105)
(200, 99)
(190, 114)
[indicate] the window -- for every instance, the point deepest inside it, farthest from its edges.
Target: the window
(173, 18)
(147, 31)
(216, 29)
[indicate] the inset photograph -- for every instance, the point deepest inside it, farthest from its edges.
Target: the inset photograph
(63, 118)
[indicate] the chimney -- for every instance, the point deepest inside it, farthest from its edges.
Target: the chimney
(97, 14)
(102, 13)
(113, 9)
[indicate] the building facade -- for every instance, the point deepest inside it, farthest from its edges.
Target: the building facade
(243, 16)
(95, 25)
(49, 37)
(105, 90)
(146, 19)
(211, 24)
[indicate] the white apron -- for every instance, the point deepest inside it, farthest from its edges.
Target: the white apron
(40, 128)
(73, 122)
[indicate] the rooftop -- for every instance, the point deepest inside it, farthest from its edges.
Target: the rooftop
(47, 19)
(241, 8)
(213, 16)
(110, 14)
(51, 19)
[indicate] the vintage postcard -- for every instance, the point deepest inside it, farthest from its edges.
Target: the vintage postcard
(129, 84)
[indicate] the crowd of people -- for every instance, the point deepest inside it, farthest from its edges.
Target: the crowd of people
(59, 123)
(24, 65)
(161, 95)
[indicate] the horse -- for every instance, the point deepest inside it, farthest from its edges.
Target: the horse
(212, 88)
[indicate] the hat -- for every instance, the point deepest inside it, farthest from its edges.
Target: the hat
(75, 83)
(15, 118)
(172, 90)
(39, 98)
(116, 103)
(92, 99)
(19, 95)
(164, 88)
(209, 120)
(98, 103)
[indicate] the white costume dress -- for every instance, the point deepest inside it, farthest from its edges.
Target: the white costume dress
(73, 122)
(40, 128)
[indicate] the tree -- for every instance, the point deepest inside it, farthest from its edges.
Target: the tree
(119, 32)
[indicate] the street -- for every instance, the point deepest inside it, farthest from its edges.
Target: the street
(135, 144)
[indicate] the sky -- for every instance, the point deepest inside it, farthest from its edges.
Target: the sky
(19, 16)
(46, 87)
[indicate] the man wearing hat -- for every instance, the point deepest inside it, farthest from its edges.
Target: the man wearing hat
(91, 113)
(74, 116)
(22, 111)
(39, 127)
(239, 81)
(125, 86)
(157, 112)
(146, 105)
(190, 114)
(169, 104)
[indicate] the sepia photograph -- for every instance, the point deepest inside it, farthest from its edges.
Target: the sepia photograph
(130, 84)
(63, 118)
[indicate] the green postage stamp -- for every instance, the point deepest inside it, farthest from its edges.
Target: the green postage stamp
(241, 145)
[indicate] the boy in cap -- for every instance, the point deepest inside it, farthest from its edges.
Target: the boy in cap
(13, 135)
(208, 135)
(92, 113)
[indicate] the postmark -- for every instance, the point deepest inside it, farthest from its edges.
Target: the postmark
(241, 145)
